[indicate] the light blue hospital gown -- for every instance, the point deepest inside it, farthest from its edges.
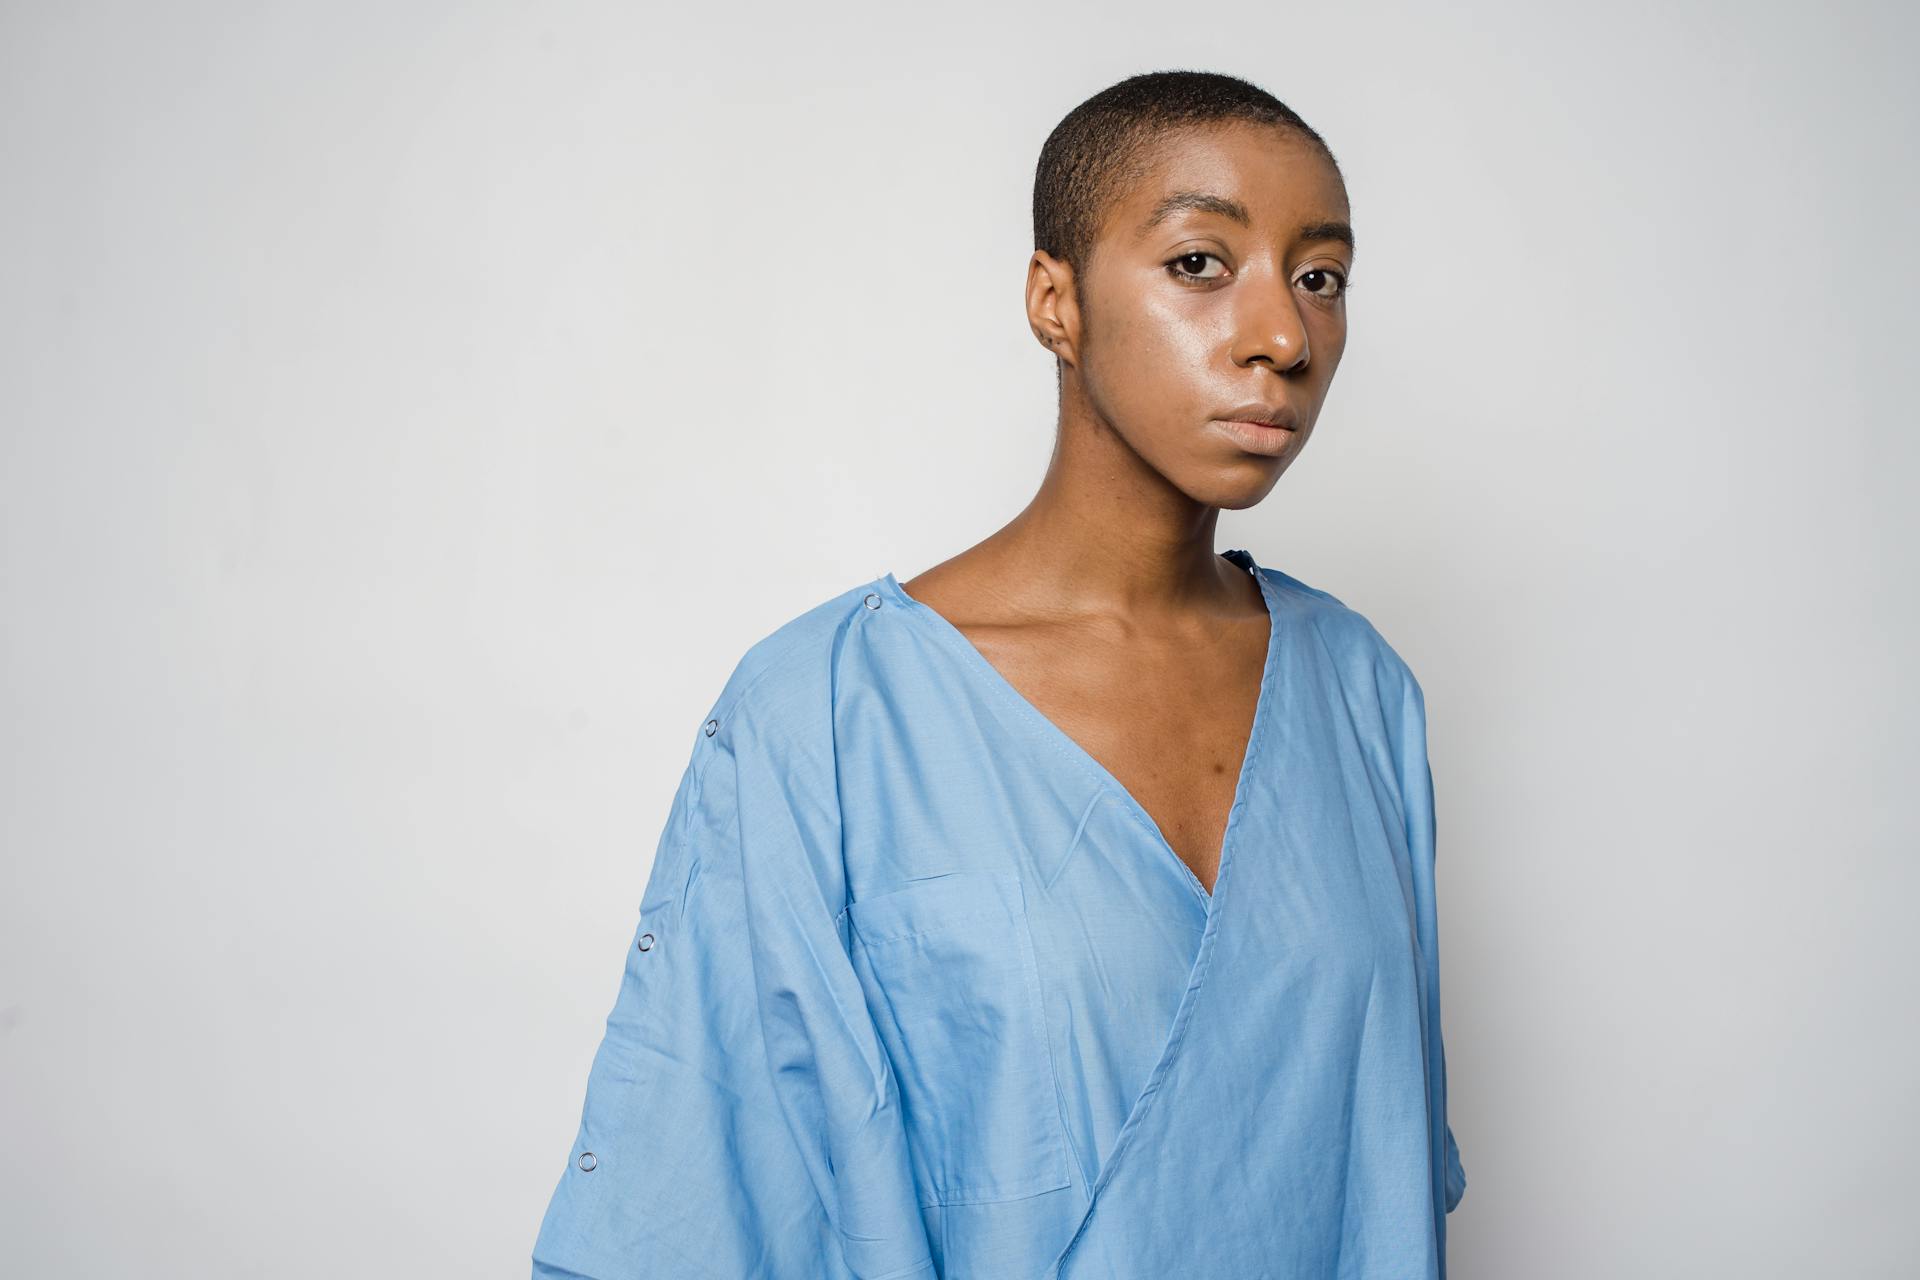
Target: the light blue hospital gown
(918, 989)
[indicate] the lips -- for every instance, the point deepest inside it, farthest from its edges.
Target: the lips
(1263, 414)
(1270, 439)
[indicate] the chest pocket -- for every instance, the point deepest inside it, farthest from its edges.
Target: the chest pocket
(948, 967)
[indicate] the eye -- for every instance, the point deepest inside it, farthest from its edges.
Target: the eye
(1317, 279)
(1195, 258)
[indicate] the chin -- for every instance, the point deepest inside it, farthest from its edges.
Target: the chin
(1238, 488)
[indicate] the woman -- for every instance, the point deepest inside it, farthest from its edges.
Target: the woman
(1066, 910)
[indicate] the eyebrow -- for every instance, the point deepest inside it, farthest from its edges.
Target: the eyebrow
(1227, 207)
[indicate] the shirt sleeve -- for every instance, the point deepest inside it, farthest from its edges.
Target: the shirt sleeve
(1455, 1171)
(1416, 772)
(741, 1117)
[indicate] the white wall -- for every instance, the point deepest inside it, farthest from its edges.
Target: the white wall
(411, 413)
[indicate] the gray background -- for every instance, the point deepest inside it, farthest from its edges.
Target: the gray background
(412, 413)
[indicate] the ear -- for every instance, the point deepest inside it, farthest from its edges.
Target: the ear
(1053, 307)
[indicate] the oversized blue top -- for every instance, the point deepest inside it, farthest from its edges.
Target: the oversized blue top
(919, 990)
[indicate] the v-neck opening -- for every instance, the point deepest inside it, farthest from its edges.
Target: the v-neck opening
(1102, 775)
(1216, 903)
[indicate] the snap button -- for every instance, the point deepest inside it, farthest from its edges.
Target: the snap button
(872, 601)
(712, 727)
(646, 942)
(588, 1162)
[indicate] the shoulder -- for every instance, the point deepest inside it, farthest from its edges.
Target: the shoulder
(784, 680)
(1349, 635)
(1375, 682)
(759, 791)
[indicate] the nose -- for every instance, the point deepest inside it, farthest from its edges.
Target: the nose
(1267, 327)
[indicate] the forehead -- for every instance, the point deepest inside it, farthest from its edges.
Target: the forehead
(1261, 177)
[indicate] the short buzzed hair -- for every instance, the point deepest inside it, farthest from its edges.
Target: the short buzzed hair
(1103, 146)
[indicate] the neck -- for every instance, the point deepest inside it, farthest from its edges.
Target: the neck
(1105, 532)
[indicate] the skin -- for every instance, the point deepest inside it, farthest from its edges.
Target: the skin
(1104, 602)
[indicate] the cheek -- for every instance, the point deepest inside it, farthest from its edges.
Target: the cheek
(1156, 381)
(1157, 351)
(1187, 331)
(1329, 338)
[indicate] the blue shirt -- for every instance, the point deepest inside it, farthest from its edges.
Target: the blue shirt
(918, 989)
